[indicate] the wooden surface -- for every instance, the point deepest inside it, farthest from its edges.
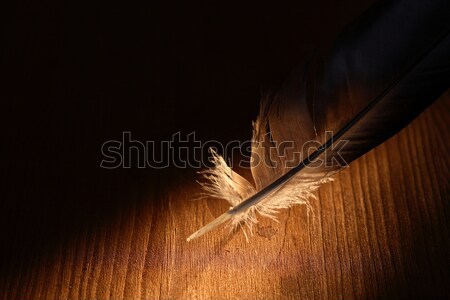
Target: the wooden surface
(380, 230)
(74, 76)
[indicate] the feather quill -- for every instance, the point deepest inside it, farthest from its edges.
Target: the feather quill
(383, 72)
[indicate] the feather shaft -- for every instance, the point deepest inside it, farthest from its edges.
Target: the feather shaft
(381, 75)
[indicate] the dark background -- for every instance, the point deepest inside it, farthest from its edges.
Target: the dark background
(155, 68)
(74, 75)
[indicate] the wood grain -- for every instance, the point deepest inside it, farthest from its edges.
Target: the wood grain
(380, 230)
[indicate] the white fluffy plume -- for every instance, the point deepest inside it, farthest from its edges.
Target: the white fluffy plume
(224, 183)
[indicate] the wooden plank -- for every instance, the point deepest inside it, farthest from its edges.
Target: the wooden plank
(380, 230)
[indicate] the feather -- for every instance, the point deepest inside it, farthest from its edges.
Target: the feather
(391, 64)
